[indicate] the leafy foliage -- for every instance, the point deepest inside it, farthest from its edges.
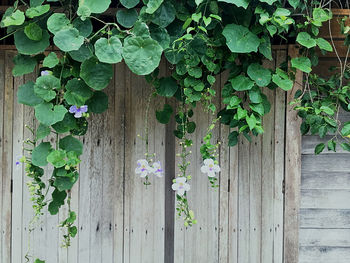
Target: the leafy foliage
(200, 39)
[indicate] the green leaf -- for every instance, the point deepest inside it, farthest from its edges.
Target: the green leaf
(251, 121)
(302, 63)
(327, 110)
(306, 40)
(33, 32)
(142, 55)
(68, 39)
(58, 22)
(233, 138)
(98, 102)
(37, 11)
(23, 65)
(345, 131)
(42, 131)
(241, 83)
(51, 60)
(96, 75)
(164, 115)
(141, 30)
(191, 127)
(270, 2)
(164, 15)
(45, 86)
(58, 198)
(320, 15)
(260, 75)
(129, 3)
(26, 95)
(77, 92)
(239, 3)
(153, 5)
(294, 3)
(67, 124)
(12, 18)
(265, 47)
(27, 46)
(66, 183)
(345, 146)
(83, 12)
(39, 261)
(69, 143)
(83, 53)
(281, 79)
(324, 44)
(109, 50)
(160, 35)
(255, 95)
(332, 145)
(167, 87)
(57, 158)
(240, 40)
(34, 3)
(319, 148)
(96, 7)
(49, 115)
(40, 153)
(127, 17)
(84, 27)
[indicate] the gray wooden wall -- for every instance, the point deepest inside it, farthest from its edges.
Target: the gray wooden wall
(119, 219)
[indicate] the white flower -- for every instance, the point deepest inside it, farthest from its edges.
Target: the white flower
(210, 167)
(157, 169)
(143, 168)
(180, 186)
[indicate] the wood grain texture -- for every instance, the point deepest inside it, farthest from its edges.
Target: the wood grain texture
(325, 237)
(324, 218)
(122, 221)
(292, 173)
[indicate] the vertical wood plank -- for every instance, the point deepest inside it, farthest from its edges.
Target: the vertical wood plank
(7, 160)
(84, 199)
(17, 175)
(108, 176)
(2, 101)
(268, 176)
(255, 199)
(292, 173)
(244, 201)
(96, 167)
(119, 171)
(279, 160)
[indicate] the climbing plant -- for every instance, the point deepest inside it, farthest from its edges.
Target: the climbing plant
(201, 39)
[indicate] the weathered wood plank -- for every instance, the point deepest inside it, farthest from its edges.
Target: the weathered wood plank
(244, 201)
(325, 199)
(325, 163)
(292, 175)
(324, 218)
(2, 102)
(279, 159)
(108, 159)
(325, 237)
(324, 255)
(119, 170)
(309, 143)
(7, 160)
(17, 175)
(325, 180)
(268, 174)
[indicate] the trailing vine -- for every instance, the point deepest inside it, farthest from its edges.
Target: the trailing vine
(200, 39)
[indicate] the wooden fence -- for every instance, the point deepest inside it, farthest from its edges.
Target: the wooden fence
(121, 220)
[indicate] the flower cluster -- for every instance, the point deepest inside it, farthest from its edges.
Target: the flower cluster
(78, 111)
(210, 168)
(144, 168)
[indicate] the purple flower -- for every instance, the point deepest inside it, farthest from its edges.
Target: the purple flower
(157, 169)
(45, 73)
(78, 111)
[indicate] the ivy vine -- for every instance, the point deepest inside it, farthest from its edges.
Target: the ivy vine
(201, 39)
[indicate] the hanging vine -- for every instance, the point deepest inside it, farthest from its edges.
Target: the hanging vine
(201, 39)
